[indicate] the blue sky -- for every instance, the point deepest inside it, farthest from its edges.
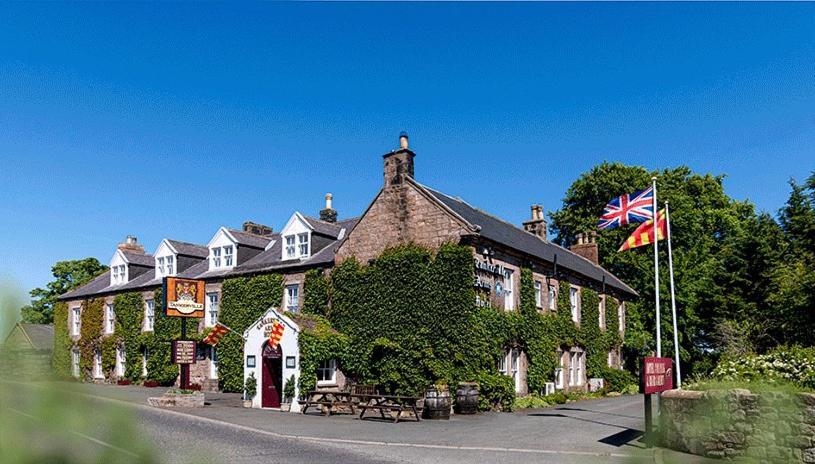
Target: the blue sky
(170, 120)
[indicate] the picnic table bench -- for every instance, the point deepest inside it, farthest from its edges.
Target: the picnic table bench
(390, 403)
(328, 399)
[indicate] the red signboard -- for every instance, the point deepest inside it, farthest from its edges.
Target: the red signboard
(657, 375)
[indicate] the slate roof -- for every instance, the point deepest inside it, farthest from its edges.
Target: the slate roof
(252, 240)
(331, 229)
(189, 249)
(497, 230)
(97, 285)
(139, 259)
(38, 336)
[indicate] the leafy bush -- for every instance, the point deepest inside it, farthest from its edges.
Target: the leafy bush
(618, 380)
(61, 356)
(250, 386)
(288, 390)
(782, 365)
(495, 392)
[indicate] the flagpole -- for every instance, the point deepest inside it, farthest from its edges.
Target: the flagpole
(673, 298)
(656, 268)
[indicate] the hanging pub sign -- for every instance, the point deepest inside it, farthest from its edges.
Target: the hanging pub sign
(183, 297)
(184, 352)
(657, 375)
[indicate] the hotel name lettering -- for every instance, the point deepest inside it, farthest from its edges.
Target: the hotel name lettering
(487, 275)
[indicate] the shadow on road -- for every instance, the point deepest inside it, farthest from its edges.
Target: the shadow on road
(622, 438)
(598, 412)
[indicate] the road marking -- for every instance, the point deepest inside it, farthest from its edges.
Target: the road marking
(346, 440)
(80, 434)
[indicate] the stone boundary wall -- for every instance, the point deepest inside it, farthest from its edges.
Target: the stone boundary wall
(769, 427)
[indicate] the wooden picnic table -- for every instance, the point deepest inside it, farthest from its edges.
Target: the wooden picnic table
(390, 403)
(329, 399)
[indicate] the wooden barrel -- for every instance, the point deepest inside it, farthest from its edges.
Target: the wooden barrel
(437, 403)
(467, 398)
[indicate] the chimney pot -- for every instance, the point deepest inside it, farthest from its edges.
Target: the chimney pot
(403, 140)
(536, 225)
(328, 198)
(328, 214)
(131, 243)
(586, 246)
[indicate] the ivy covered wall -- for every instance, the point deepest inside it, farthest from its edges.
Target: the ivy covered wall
(61, 356)
(243, 301)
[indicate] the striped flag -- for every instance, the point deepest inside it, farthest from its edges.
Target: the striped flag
(216, 334)
(644, 234)
(276, 334)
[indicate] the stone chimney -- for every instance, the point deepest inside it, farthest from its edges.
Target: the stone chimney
(131, 244)
(399, 163)
(328, 214)
(257, 229)
(537, 225)
(586, 247)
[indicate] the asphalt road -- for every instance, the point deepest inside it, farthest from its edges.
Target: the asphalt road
(125, 430)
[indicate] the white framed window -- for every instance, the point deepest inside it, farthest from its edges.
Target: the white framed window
(601, 310)
(538, 296)
(572, 365)
(110, 319)
(292, 297)
(552, 298)
(559, 371)
(77, 322)
(212, 309)
(144, 355)
(577, 366)
(216, 257)
(170, 265)
(574, 297)
(514, 364)
(229, 255)
(581, 367)
(302, 244)
(119, 274)
(120, 361)
(213, 365)
(75, 362)
(621, 316)
(290, 247)
(149, 315)
(160, 265)
(327, 372)
(97, 365)
(509, 294)
(610, 359)
(502, 364)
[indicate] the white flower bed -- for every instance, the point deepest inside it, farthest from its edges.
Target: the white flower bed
(787, 364)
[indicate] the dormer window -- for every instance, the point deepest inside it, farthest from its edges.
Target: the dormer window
(119, 274)
(165, 265)
(228, 255)
(223, 257)
(302, 244)
(290, 248)
(216, 257)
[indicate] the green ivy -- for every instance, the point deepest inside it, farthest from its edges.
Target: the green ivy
(243, 301)
(316, 292)
(90, 334)
(129, 317)
(61, 356)
(316, 345)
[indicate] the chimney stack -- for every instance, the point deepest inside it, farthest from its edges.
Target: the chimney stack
(328, 214)
(398, 163)
(586, 246)
(537, 225)
(257, 229)
(131, 243)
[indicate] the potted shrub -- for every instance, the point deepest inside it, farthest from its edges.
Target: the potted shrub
(288, 394)
(250, 389)
(151, 383)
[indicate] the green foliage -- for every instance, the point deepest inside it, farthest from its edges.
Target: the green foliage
(61, 356)
(90, 334)
(316, 295)
(288, 390)
(243, 301)
(129, 317)
(411, 318)
(617, 380)
(68, 276)
(495, 392)
(318, 344)
(250, 386)
(794, 365)
(159, 343)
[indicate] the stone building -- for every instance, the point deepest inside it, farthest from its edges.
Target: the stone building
(403, 211)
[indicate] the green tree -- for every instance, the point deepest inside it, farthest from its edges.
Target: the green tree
(704, 221)
(68, 276)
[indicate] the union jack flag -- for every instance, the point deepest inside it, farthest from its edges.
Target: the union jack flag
(625, 209)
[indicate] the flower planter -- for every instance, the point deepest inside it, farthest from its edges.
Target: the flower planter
(175, 399)
(247, 403)
(123, 382)
(150, 383)
(285, 407)
(437, 402)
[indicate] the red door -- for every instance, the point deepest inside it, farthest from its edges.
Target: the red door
(272, 377)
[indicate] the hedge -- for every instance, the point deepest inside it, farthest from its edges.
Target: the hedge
(61, 356)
